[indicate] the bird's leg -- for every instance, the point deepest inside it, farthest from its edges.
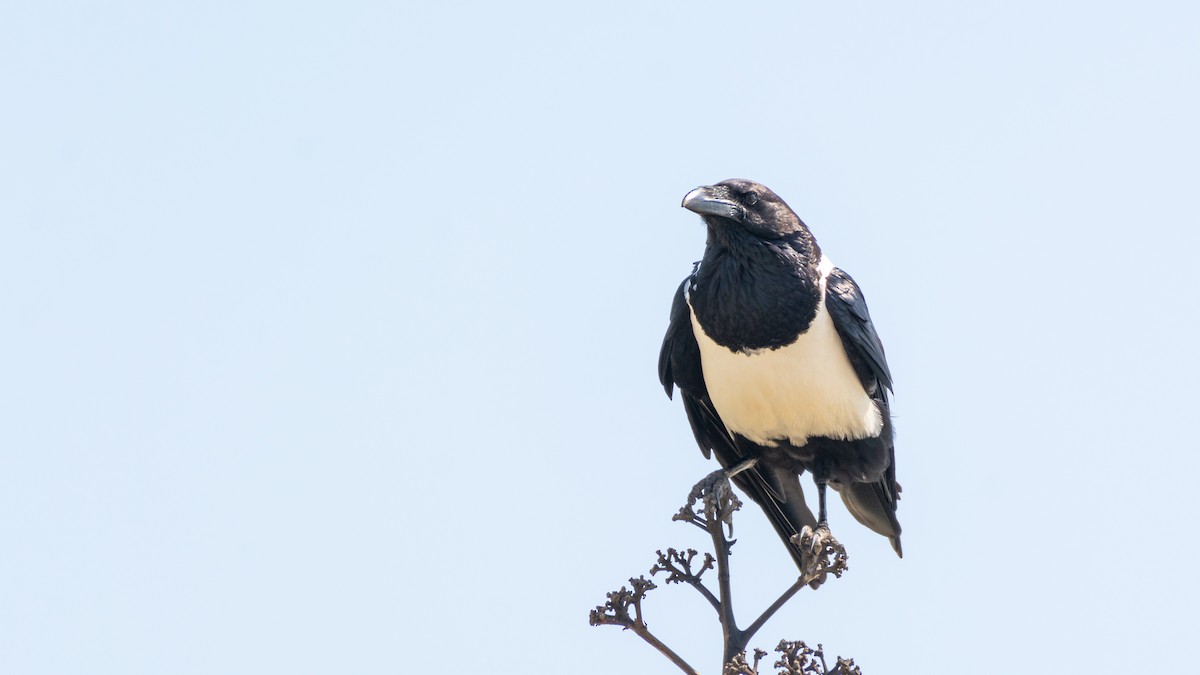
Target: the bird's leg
(821, 536)
(744, 466)
(818, 545)
(822, 514)
(721, 477)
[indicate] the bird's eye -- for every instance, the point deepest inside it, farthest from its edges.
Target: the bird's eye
(751, 199)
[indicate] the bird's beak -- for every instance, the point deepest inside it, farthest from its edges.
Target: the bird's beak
(702, 200)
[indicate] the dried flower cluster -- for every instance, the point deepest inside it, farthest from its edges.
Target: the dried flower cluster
(822, 555)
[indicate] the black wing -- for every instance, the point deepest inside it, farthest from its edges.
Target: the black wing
(679, 360)
(872, 504)
(776, 490)
(848, 308)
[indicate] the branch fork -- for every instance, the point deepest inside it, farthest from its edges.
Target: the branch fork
(823, 555)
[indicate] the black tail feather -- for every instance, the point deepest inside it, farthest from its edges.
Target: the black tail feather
(787, 515)
(874, 505)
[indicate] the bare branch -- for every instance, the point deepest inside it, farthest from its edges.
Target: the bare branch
(824, 556)
(821, 554)
(678, 566)
(770, 611)
(616, 612)
(719, 504)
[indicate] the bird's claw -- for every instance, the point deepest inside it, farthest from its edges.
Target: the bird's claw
(821, 552)
(715, 495)
(716, 484)
(817, 540)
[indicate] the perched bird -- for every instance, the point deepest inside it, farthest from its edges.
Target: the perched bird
(779, 365)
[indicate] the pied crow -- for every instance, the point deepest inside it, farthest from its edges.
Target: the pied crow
(777, 361)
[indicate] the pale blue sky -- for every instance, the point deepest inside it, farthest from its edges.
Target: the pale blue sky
(330, 331)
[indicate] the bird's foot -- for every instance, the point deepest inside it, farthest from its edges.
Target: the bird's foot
(715, 494)
(822, 554)
(715, 484)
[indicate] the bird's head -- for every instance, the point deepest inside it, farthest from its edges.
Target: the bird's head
(743, 203)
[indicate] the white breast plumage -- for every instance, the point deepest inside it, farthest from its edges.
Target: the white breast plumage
(805, 389)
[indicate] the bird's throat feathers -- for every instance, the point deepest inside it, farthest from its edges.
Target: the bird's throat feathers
(753, 293)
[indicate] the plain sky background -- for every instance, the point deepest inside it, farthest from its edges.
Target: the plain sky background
(330, 329)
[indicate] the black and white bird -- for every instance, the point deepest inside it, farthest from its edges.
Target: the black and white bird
(779, 365)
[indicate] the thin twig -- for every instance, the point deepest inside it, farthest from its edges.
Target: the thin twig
(770, 611)
(616, 612)
(712, 599)
(823, 555)
(679, 567)
(666, 651)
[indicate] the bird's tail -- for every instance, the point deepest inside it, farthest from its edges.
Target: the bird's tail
(874, 505)
(781, 497)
